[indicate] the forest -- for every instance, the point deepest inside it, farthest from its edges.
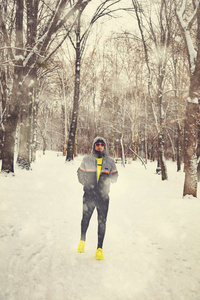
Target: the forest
(127, 70)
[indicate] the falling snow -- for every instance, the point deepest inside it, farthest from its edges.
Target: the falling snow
(151, 247)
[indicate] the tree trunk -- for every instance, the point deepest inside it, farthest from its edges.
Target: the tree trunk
(123, 155)
(26, 138)
(191, 123)
(73, 126)
(179, 148)
(11, 121)
(112, 138)
(145, 131)
(161, 156)
(24, 155)
(44, 145)
(191, 120)
(12, 111)
(190, 148)
(198, 151)
(161, 134)
(112, 144)
(135, 130)
(64, 116)
(9, 143)
(2, 106)
(34, 123)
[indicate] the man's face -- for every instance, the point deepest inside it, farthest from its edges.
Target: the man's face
(99, 146)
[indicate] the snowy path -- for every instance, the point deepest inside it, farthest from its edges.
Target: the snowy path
(152, 243)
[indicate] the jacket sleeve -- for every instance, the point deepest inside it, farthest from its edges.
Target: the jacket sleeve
(82, 173)
(113, 172)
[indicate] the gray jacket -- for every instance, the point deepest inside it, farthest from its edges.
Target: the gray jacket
(87, 172)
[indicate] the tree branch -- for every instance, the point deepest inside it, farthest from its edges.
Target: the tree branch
(184, 27)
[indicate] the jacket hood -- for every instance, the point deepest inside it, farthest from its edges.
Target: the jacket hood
(105, 152)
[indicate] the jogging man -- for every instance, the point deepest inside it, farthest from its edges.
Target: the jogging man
(95, 173)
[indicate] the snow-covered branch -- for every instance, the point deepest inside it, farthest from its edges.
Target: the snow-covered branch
(185, 28)
(54, 25)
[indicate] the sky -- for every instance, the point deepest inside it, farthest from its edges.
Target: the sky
(107, 25)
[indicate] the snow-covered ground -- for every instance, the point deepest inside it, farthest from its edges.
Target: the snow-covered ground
(151, 248)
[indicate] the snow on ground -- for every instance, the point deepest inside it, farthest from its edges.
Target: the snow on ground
(151, 248)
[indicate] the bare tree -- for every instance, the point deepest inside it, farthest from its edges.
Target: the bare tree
(160, 35)
(104, 9)
(188, 16)
(73, 126)
(28, 54)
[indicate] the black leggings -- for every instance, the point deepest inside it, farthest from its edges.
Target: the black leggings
(90, 201)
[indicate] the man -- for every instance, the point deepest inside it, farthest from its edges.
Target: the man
(96, 172)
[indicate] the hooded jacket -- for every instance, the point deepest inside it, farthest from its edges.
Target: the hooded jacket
(87, 172)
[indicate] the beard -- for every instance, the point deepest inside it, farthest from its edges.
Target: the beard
(99, 154)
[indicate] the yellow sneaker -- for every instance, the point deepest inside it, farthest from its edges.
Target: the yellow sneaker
(81, 246)
(99, 254)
